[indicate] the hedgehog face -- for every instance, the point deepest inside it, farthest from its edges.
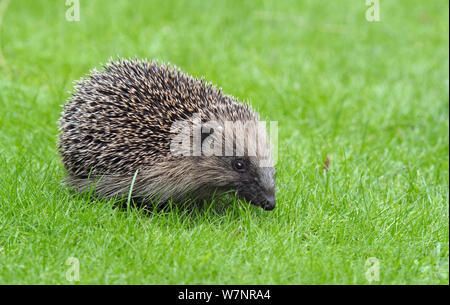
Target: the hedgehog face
(253, 183)
(242, 175)
(248, 170)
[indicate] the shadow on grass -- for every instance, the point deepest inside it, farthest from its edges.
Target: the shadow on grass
(220, 209)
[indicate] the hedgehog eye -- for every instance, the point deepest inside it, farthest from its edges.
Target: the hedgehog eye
(239, 166)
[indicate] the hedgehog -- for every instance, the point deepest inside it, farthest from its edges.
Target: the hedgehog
(146, 130)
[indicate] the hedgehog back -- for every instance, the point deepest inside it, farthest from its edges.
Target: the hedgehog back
(119, 118)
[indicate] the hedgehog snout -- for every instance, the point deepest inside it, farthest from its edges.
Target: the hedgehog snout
(265, 201)
(269, 205)
(254, 194)
(267, 188)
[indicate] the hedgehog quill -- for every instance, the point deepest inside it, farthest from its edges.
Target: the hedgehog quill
(179, 137)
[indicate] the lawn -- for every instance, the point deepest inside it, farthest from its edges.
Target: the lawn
(372, 97)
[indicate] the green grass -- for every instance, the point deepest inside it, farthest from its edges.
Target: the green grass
(374, 97)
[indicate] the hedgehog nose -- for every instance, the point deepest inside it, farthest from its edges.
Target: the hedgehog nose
(269, 204)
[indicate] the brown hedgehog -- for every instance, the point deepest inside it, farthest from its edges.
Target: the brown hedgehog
(152, 131)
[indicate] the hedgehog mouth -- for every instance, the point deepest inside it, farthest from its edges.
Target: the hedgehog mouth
(269, 203)
(266, 202)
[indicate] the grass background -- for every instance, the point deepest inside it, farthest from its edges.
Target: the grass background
(374, 97)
